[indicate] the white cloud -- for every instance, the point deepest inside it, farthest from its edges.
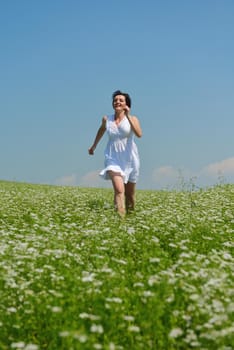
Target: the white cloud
(164, 172)
(224, 167)
(67, 180)
(165, 176)
(92, 179)
(169, 176)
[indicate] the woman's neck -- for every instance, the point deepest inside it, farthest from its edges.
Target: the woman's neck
(119, 115)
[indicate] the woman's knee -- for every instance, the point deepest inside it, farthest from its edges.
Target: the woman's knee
(130, 189)
(118, 184)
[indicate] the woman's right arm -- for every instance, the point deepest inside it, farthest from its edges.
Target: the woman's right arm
(100, 133)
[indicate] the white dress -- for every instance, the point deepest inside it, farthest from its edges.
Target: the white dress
(121, 153)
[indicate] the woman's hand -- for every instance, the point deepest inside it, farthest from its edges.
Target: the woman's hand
(127, 110)
(91, 150)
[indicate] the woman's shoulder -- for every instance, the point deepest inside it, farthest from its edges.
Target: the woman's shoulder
(134, 117)
(107, 117)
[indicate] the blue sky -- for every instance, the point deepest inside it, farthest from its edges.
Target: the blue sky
(61, 60)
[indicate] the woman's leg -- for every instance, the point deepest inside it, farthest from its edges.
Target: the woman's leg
(118, 185)
(130, 196)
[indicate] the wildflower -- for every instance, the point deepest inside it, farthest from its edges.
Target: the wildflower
(19, 345)
(56, 309)
(88, 277)
(138, 284)
(153, 280)
(154, 260)
(228, 244)
(12, 309)
(191, 337)
(128, 318)
(170, 299)
(107, 270)
(114, 300)
(64, 334)
(81, 337)
(175, 333)
(133, 328)
(147, 293)
(31, 347)
(185, 255)
(173, 245)
(97, 328)
(227, 256)
(194, 297)
(155, 239)
(120, 261)
(112, 346)
(131, 230)
(84, 315)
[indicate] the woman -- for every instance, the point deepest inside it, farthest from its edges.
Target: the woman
(121, 155)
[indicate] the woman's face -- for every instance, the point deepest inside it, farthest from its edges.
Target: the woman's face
(119, 103)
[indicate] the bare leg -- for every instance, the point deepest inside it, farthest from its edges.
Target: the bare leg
(118, 185)
(130, 196)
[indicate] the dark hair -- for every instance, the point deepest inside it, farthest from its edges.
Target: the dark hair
(127, 97)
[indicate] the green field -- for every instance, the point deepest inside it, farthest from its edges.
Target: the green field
(73, 275)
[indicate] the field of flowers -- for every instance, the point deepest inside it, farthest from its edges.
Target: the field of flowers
(73, 275)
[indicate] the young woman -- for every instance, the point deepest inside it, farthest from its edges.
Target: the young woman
(122, 161)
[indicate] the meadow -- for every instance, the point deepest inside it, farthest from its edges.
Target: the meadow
(73, 275)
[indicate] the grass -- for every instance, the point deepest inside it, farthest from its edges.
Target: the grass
(75, 276)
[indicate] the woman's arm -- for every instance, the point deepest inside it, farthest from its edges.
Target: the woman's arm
(134, 122)
(99, 135)
(135, 125)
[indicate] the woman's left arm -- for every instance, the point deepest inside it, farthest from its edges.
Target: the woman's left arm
(135, 125)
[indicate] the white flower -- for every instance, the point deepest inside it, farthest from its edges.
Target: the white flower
(114, 300)
(138, 284)
(31, 347)
(172, 245)
(56, 309)
(131, 230)
(13, 310)
(175, 333)
(185, 255)
(228, 244)
(19, 345)
(154, 260)
(88, 277)
(97, 328)
(128, 318)
(84, 315)
(153, 280)
(147, 293)
(81, 337)
(64, 334)
(120, 261)
(134, 329)
(155, 239)
(97, 346)
(194, 297)
(227, 256)
(112, 346)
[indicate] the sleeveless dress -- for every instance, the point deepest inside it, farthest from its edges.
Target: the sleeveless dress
(121, 153)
